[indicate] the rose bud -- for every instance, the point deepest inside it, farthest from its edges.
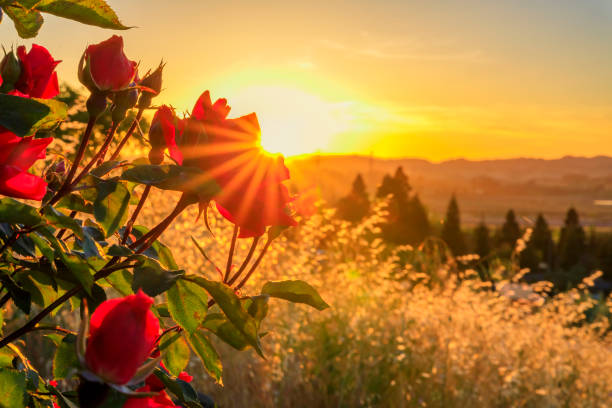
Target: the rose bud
(122, 335)
(165, 129)
(17, 155)
(105, 68)
(38, 78)
(151, 86)
(10, 70)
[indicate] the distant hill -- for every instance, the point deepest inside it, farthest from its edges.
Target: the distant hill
(485, 188)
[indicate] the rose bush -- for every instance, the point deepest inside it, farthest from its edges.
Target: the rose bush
(81, 247)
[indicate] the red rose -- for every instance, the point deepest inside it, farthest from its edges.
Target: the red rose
(161, 400)
(122, 335)
(38, 78)
(163, 133)
(104, 66)
(17, 155)
(251, 194)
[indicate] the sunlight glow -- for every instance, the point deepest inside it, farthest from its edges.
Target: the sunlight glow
(292, 121)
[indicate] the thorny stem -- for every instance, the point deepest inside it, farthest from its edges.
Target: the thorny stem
(245, 262)
(132, 220)
(127, 135)
(230, 256)
(93, 161)
(65, 188)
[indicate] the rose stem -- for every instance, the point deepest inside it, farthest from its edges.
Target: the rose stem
(230, 256)
(132, 220)
(246, 261)
(127, 135)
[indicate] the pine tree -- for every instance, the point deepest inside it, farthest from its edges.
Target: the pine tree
(414, 217)
(482, 240)
(386, 187)
(510, 231)
(541, 241)
(356, 205)
(572, 242)
(451, 231)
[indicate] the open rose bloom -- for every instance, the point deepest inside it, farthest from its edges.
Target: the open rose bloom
(17, 155)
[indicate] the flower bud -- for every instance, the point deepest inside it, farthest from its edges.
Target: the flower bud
(164, 130)
(104, 66)
(122, 335)
(10, 70)
(152, 84)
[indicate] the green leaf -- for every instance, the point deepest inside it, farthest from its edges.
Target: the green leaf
(187, 304)
(296, 291)
(16, 212)
(92, 12)
(233, 309)
(65, 361)
(27, 23)
(181, 389)
(207, 353)
(111, 205)
(79, 269)
(75, 202)
(26, 116)
(176, 355)
(218, 324)
(121, 281)
(59, 220)
(172, 177)
(12, 388)
(153, 278)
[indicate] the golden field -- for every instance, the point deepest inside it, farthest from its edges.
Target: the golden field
(426, 332)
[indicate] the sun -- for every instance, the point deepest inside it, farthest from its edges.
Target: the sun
(293, 122)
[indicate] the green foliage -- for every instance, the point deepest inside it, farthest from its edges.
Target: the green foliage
(207, 353)
(187, 304)
(232, 308)
(296, 291)
(173, 177)
(153, 278)
(111, 204)
(65, 362)
(28, 20)
(12, 388)
(176, 353)
(26, 116)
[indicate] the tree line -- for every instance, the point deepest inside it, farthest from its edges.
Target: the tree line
(564, 257)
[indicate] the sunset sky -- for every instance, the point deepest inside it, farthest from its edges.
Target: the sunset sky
(432, 79)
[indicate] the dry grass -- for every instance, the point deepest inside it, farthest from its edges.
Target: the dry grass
(437, 337)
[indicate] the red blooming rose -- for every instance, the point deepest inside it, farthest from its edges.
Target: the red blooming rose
(37, 78)
(104, 66)
(161, 400)
(122, 335)
(154, 384)
(252, 196)
(163, 133)
(17, 155)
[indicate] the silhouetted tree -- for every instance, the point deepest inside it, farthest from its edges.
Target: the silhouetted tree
(407, 221)
(356, 204)
(482, 240)
(415, 216)
(572, 241)
(451, 230)
(540, 247)
(510, 231)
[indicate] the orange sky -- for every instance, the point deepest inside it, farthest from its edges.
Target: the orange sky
(432, 79)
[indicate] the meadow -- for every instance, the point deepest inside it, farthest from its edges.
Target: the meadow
(415, 333)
